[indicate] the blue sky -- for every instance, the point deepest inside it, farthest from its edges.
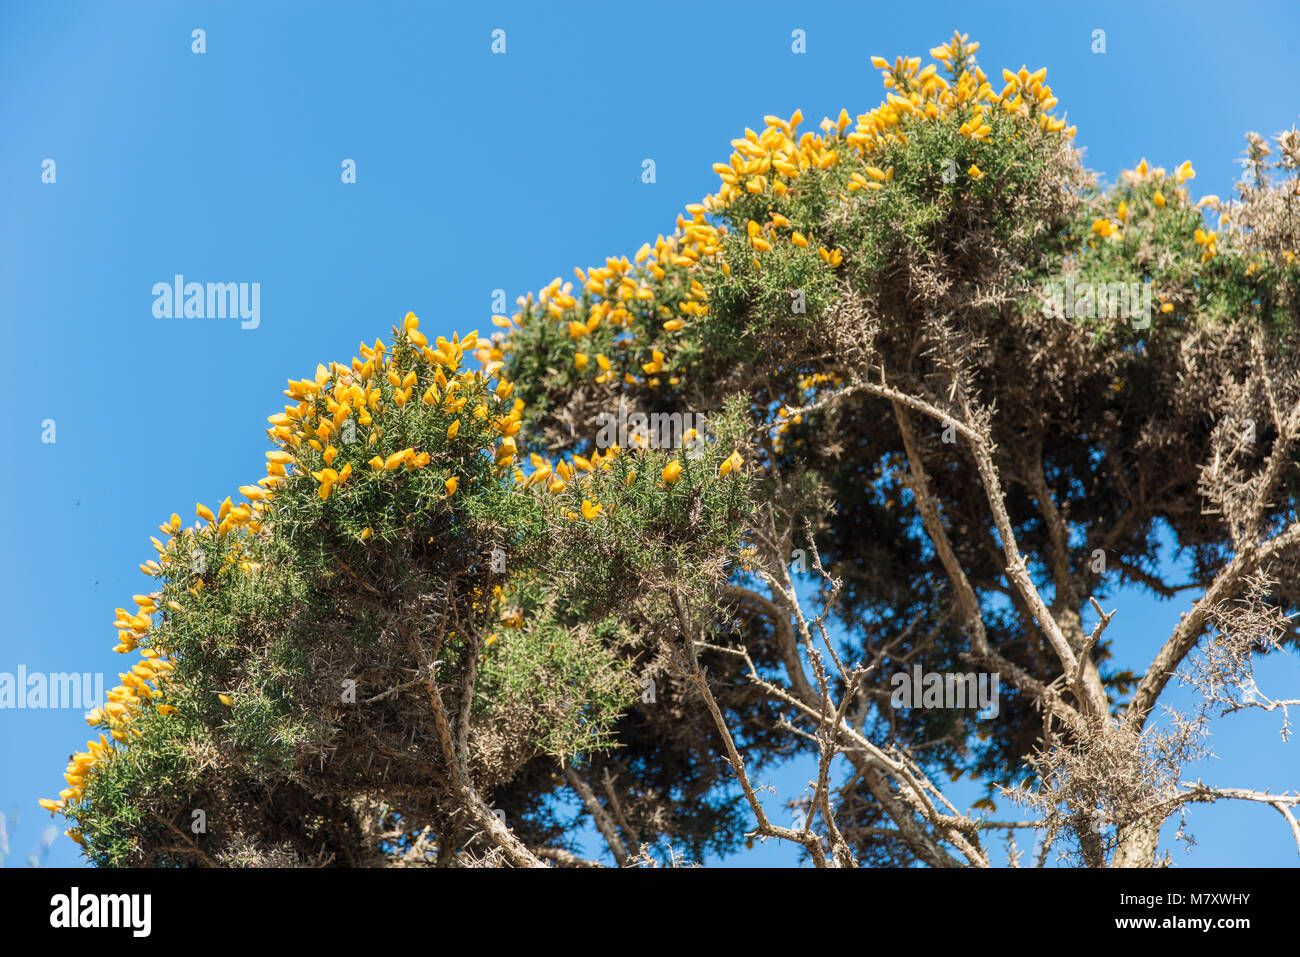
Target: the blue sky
(475, 172)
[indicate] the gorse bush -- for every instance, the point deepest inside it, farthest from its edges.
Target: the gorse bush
(393, 547)
(450, 603)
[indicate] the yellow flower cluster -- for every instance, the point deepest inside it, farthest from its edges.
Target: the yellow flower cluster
(336, 399)
(658, 282)
(620, 291)
(140, 686)
(787, 417)
(1106, 229)
(819, 379)
(556, 477)
(348, 397)
(810, 385)
(1145, 173)
(560, 476)
(913, 92)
